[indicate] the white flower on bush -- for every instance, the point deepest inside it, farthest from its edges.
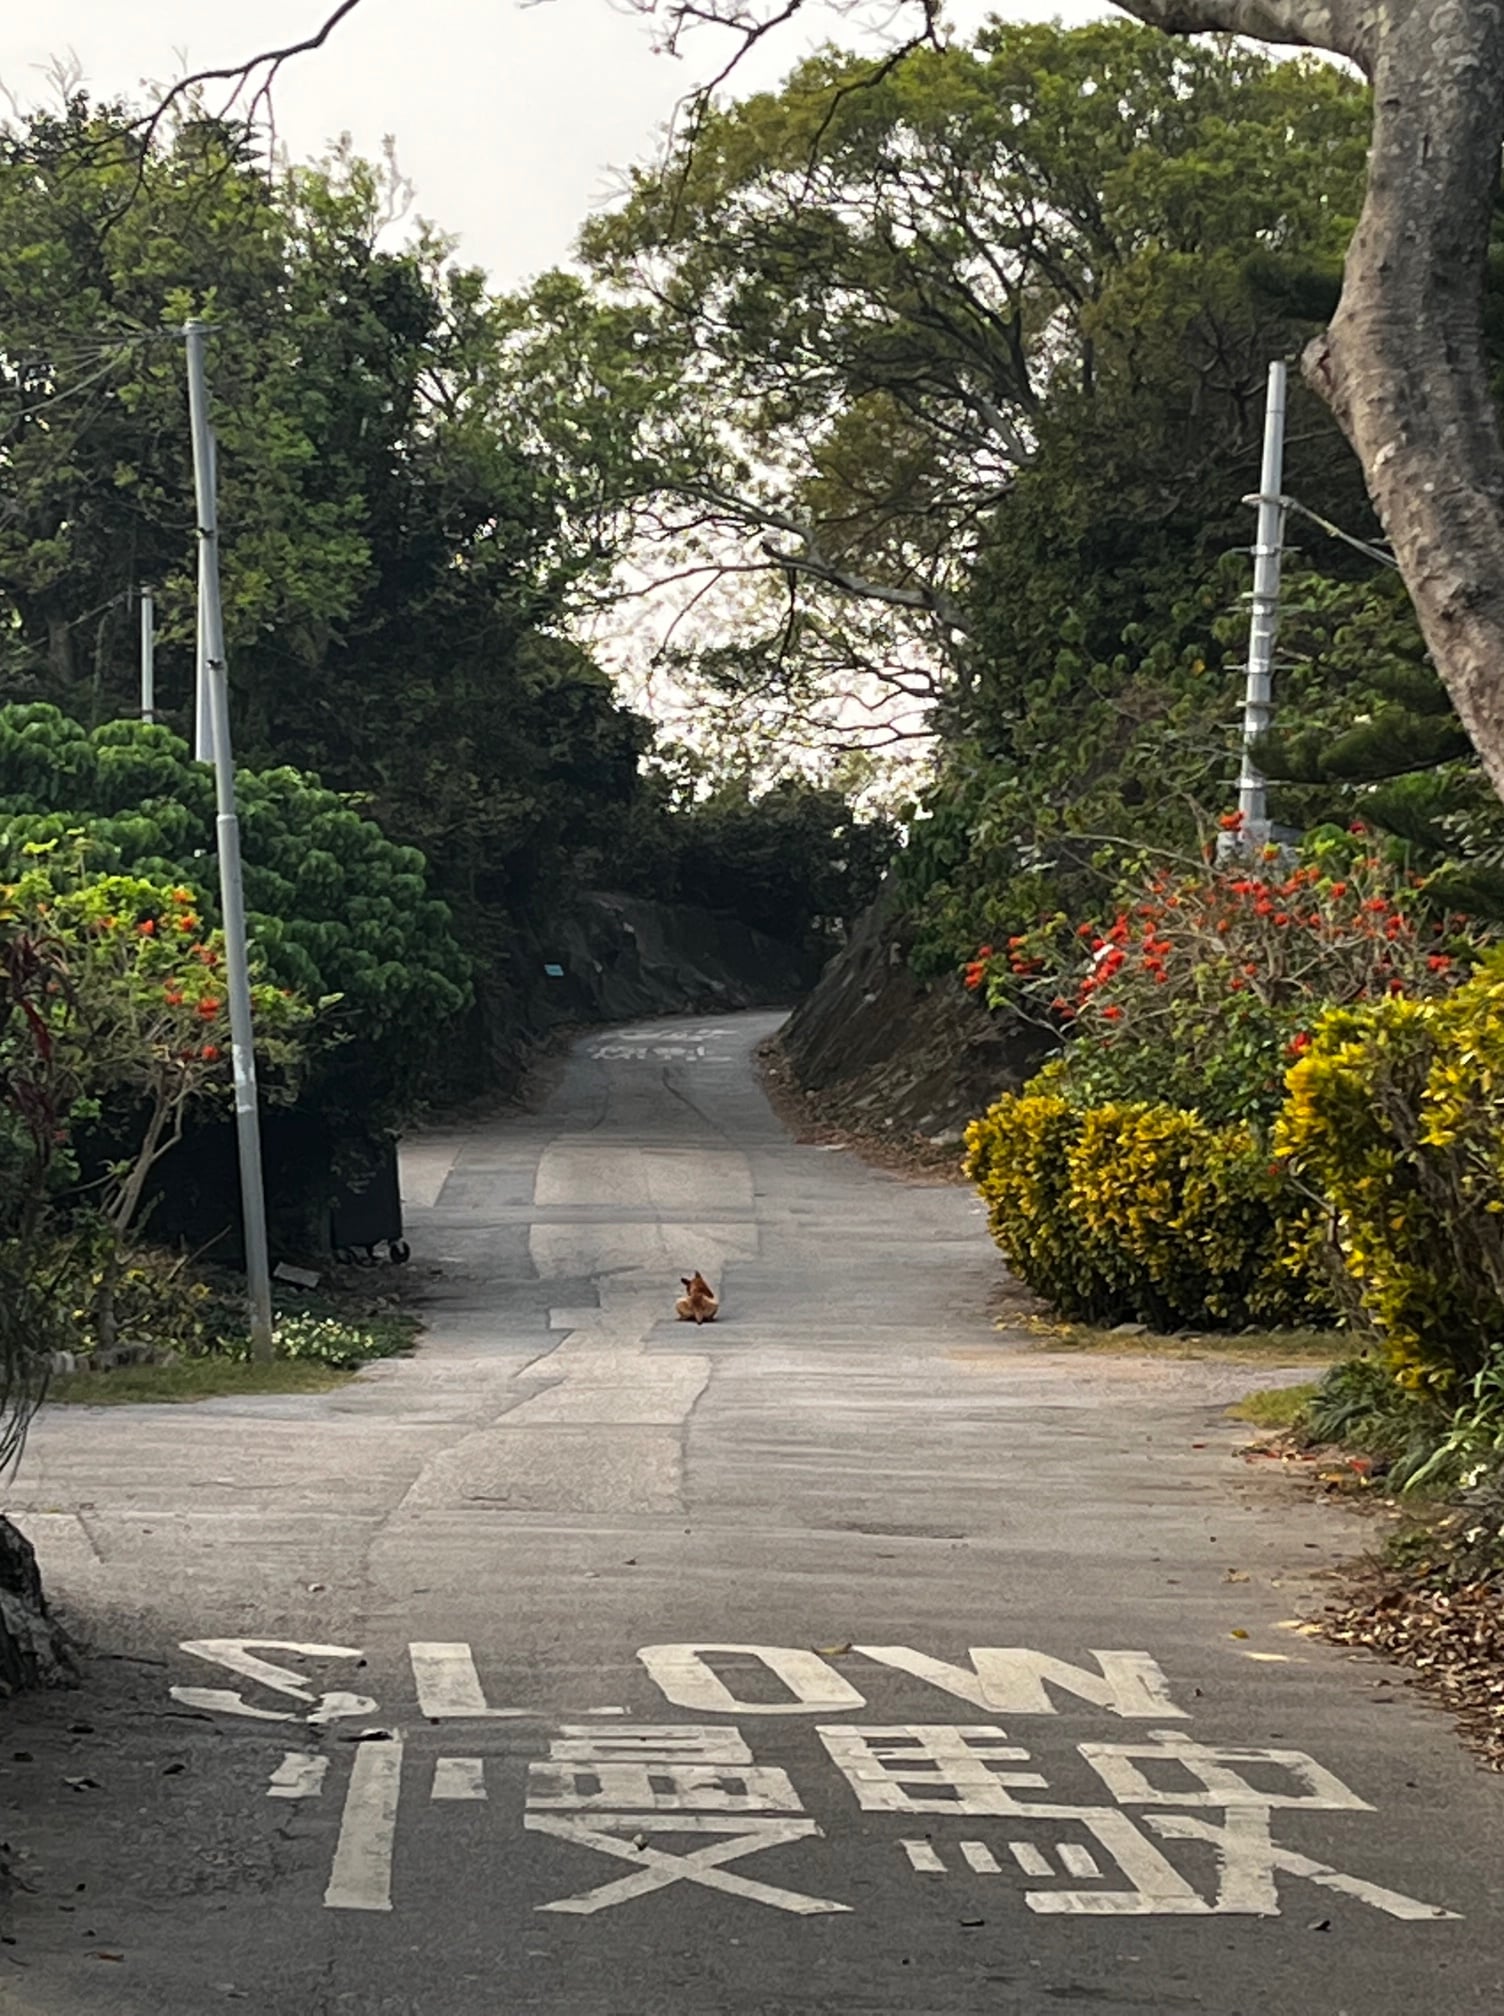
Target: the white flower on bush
(325, 1339)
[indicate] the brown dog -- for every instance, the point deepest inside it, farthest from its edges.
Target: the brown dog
(697, 1304)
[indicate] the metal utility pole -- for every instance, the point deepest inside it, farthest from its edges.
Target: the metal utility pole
(203, 706)
(1264, 622)
(148, 656)
(227, 828)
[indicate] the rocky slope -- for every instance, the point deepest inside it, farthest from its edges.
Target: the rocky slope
(883, 1052)
(33, 1649)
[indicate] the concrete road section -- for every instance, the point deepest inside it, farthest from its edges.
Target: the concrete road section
(844, 1656)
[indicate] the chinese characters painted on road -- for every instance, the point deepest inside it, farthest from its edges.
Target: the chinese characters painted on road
(1083, 1828)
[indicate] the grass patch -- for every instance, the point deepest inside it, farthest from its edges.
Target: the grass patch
(1275, 1406)
(193, 1379)
(1280, 1347)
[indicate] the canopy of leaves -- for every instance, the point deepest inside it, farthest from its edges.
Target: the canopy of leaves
(335, 908)
(394, 566)
(829, 343)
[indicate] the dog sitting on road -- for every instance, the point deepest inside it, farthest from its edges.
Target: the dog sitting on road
(698, 1303)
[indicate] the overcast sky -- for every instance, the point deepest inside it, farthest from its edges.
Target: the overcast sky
(508, 117)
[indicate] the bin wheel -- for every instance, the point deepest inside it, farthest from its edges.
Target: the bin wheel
(399, 1252)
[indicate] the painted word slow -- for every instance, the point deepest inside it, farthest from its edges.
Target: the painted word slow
(1153, 1822)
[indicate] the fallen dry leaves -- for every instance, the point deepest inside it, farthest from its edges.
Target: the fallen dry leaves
(1451, 1638)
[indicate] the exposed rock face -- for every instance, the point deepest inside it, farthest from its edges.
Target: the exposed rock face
(883, 1046)
(34, 1652)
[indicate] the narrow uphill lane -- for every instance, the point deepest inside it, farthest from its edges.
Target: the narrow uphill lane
(842, 1656)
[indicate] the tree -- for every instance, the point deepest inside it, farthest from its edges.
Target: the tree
(827, 337)
(337, 912)
(35, 1094)
(1403, 364)
(136, 1026)
(790, 861)
(396, 568)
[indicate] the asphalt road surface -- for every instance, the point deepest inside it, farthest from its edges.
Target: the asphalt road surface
(845, 1656)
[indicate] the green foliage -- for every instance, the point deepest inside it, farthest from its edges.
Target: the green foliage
(1142, 1212)
(340, 1343)
(792, 860)
(395, 564)
(35, 1094)
(1394, 1116)
(191, 1379)
(156, 1301)
(142, 1026)
(1201, 986)
(1366, 730)
(1276, 1407)
(1472, 1450)
(971, 339)
(1358, 1405)
(337, 913)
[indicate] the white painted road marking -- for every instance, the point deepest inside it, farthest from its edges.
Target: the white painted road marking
(448, 1685)
(665, 1742)
(941, 1759)
(1159, 1890)
(656, 1870)
(1078, 1861)
(300, 1775)
(1002, 1679)
(1248, 1860)
(459, 1778)
(1217, 1783)
(238, 1655)
(1011, 1679)
(361, 1879)
(681, 1674)
(662, 1788)
(700, 1778)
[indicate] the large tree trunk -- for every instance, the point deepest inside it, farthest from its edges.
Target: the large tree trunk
(1403, 364)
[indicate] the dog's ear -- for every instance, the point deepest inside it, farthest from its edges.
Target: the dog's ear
(685, 1282)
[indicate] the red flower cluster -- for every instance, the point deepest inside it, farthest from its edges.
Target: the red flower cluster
(976, 971)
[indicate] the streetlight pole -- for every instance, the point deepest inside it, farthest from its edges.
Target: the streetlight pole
(203, 706)
(227, 829)
(1264, 622)
(148, 656)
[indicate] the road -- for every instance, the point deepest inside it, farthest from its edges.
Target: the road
(846, 1656)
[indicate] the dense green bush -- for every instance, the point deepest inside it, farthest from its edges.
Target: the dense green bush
(1395, 1115)
(35, 1093)
(335, 908)
(1132, 1211)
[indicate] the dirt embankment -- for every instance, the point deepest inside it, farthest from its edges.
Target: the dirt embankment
(877, 1053)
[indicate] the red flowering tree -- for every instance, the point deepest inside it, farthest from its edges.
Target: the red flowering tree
(143, 1023)
(1199, 988)
(34, 1094)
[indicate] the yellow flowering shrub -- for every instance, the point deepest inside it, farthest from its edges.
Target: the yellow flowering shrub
(1135, 1211)
(1396, 1116)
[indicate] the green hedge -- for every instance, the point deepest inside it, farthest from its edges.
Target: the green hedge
(1396, 1116)
(1145, 1213)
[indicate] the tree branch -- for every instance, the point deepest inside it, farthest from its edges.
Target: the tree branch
(240, 74)
(1347, 27)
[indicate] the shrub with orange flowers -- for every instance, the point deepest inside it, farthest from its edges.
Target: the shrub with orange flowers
(1154, 1169)
(1201, 987)
(141, 1030)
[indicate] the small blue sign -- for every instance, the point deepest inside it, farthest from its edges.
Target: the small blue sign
(554, 972)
